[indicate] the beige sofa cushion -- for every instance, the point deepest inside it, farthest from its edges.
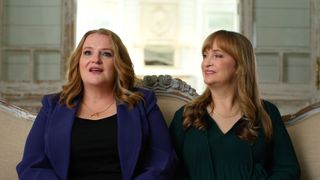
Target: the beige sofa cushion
(169, 105)
(304, 131)
(15, 125)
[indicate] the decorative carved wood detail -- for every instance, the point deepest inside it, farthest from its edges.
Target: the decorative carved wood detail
(16, 111)
(302, 114)
(166, 84)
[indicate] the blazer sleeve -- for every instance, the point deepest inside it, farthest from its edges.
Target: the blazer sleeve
(284, 161)
(35, 165)
(160, 158)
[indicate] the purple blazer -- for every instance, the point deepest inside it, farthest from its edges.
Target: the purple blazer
(143, 139)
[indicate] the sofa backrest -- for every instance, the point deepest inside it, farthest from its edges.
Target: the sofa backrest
(304, 130)
(172, 93)
(15, 124)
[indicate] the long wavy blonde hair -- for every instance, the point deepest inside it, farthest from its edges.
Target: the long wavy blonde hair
(124, 73)
(240, 48)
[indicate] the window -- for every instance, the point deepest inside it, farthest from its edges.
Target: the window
(162, 36)
(31, 43)
(34, 43)
(159, 55)
(285, 39)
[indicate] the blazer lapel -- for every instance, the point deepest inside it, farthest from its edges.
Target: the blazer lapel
(129, 138)
(59, 138)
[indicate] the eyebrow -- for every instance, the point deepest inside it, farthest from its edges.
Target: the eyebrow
(89, 47)
(216, 50)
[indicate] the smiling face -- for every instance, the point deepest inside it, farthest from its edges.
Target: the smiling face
(97, 61)
(218, 67)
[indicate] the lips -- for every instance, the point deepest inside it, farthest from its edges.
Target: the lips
(95, 69)
(209, 72)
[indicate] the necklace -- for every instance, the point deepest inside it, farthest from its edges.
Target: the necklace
(225, 116)
(97, 114)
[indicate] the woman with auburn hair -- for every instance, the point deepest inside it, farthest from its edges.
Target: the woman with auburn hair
(229, 132)
(100, 126)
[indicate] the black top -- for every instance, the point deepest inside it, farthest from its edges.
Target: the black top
(94, 150)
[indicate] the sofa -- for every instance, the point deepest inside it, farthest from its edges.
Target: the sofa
(172, 93)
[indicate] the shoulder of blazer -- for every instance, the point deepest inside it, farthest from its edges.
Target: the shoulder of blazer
(52, 97)
(51, 101)
(143, 90)
(147, 93)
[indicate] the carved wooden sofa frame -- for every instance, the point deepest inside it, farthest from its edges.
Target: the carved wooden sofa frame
(172, 93)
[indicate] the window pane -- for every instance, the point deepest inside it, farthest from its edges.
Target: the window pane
(267, 67)
(47, 66)
(277, 22)
(220, 15)
(15, 66)
(297, 68)
(159, 55)
(221, 20)
(32, 25)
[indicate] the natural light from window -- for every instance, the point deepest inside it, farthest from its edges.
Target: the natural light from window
(162, 36)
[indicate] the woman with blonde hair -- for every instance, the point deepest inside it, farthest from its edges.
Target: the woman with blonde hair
(228, 132)
(100, 126)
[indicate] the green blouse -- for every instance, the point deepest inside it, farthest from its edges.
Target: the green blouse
(211, 154)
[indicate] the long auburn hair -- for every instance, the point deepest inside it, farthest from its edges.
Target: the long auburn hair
(240, 48)
(125, 78)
